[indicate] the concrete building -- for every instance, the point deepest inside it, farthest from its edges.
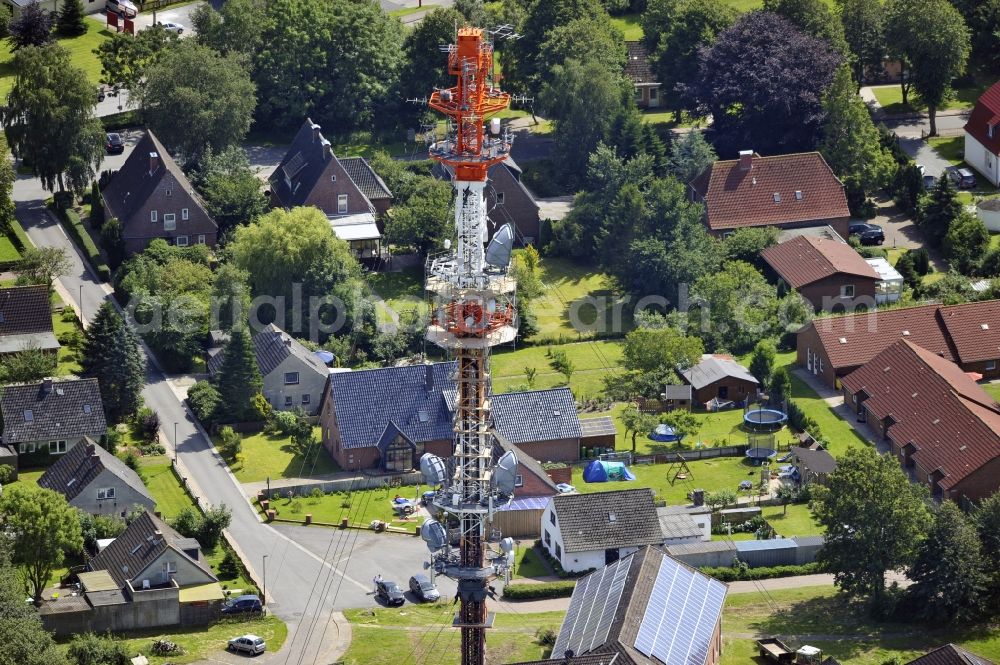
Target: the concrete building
(96, 482)
(982, 136)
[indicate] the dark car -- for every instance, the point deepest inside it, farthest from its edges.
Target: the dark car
(424, 589)
(868, 234)
(114, 144)
(930, 182)
(243, 605)
(857, 228)
(389, 592)
(963, 178)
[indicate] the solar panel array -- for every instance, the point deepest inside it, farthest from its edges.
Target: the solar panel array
(681, 615)
(592, 609)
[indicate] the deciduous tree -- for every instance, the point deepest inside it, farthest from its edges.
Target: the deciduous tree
(239, 377)
(543, 16)
(423, 220)
(230, 188)
(813, 17)
(42, 265)
(27, 365)
(864, 31)
(125, 58)
(586, 40)
(636, 422)
(111, 354)
(425, 68)
(32, 27)
(966, 243)
(874, 518)
(49, 119)
(236, 29)
(740, 306)
(44, 527)
(23, 640)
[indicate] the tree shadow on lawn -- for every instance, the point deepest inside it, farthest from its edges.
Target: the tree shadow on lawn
(594, 312)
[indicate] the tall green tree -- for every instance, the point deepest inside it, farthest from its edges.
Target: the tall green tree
(689, 156)
(423, 220)
(49, 119)
(850, 142)
(934, 56)
(586, 40)
(651, 358)
(739, 305)
(32, 27)
(236, 29)
(986, 519)
(42, 265)
(194, 99)
(762, 361)
(7, 177)
(937, 212)
(111, 354)
(23, 640)
(636, 422)
(966, 243)
(230, 188)
(949, 583)
(125, 58)
(27, 365)
(526, 65)
(864, 31)
(425, 67)
(239, 377)
(44, 527)
(231, 292)
(692, 25)
(813, 17)
(874, 519)
(70, 21)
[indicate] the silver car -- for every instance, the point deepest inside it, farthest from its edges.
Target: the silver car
(248, 644)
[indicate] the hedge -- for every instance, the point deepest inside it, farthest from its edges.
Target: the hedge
(18, 236)
(121, 120)
(561, 589)
(71, 222)
(731, 574)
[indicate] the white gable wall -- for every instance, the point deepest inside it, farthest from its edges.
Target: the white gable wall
(982, 160)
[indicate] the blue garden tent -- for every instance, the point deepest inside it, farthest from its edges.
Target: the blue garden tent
(601, 472)
(664, 433)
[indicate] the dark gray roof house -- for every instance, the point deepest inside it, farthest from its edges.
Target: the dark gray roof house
(369, 182)
(719, 376)
(150, 553)
(54, 415)
(597, 521)
(95, 481)
(293, 375)
(153, 198)
(950, 654)
(645, 609)
(26, 319)
(814, 464)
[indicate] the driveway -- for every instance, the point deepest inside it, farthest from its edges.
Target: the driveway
(922, 153)
(175, 14)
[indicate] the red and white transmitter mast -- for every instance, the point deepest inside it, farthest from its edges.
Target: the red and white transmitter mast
(473, 310)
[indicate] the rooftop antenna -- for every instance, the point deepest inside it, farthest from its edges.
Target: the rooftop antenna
(473, 310)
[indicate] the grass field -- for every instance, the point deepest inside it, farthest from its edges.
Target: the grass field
(527, 562)
(629, 25)
(952, 149)
(200, 642)
(423, 634)
(359, 507)
(592, 362)
(890, 98)
(7, 250)
(81, 51)
(273, 456)
(574, 291)
(69, 361)
(798, 521)
(993, 389)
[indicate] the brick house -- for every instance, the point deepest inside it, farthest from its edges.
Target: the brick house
(645, 609)
(388, 417)
(982, 136)
(831, 275)
(968, 334)
(943, 427)
(639, 71)
(507, 200)
(532, 490)
(351, 195)
(26, 320)
(153, 198)
(96, 482)
(720, 377)
(785, 191)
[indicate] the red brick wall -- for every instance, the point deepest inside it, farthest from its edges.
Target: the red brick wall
(829, 288)
(138, 231)
(806, 339)
(533, 485)
(517, 206)
(325, 192)
(981, 483)
(563, 475)
(839, 224)
(980, 367)
(559, 450)
(738, 390)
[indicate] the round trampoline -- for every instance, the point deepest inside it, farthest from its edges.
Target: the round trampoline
(764, 420)
(758, 456)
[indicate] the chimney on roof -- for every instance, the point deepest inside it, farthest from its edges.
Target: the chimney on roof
(327, 149)
(287, 340)
(91, 452)
(429, 377)
(47, 385)
(154, 162)
(746, 160)
(316, 135)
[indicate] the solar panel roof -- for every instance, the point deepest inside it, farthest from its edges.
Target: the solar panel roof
(592, 608)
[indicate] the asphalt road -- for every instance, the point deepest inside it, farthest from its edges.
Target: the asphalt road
(912, 127)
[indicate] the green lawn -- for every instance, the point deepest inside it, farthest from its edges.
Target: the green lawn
(406, 11)
(527, 562)
(890, 98)
(798, 521)
(359, 507)
(69, 360)
(200, 642)
(592, 362)
(423, 634)
(629, 25)
(164, 485)
(7, 250)
(571, 287)
(402, 291)
(273, 456)
(993, 389)
(81, 51)
(711, 475)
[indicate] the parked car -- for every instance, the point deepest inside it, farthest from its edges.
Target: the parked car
(962, 177)
(423, 588)
(248, 644)
(868, 234)
(114, 144)
(389, 592)
(172, 27)
(565, 488)
(930, 182)
(745, 485)
(123, 8)
(427, 498)
(243, 605)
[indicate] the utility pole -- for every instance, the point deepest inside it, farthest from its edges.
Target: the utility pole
(473, 310)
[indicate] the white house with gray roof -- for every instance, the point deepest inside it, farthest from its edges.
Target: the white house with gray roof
(96, 482)
(293, 375)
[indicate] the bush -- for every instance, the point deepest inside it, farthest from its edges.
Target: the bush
(131, 459)
(91, 649)
(6, 474)
(188, 523)
(231, 565)
(561, 589)
(71, 222)
(18, 236)
(213, 523)
(283, 422)
(96, 207)
(204, 399)
(147, 424)
(111, 237)
(735, 574)
(545, 637)
(165, 648)
(230, 443)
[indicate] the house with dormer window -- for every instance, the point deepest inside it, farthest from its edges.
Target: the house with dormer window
(153, 198)
(96, 482)
(982, 136)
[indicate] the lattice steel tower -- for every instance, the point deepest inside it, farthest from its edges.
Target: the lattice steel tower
(473, 310)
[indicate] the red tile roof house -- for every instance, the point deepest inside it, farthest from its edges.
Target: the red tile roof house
(153, 198)
(982, 136)
(786, 191)
(969, 334)
(941, 424)
(827, 273)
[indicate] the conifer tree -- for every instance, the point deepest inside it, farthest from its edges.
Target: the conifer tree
(70, 20)
(112, 355)
(239, 377)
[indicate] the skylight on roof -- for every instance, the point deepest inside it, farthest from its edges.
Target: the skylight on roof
(71, 481)
(87, 409)
(29, 417)
(422, 415)
(777, 197)
(843, 340)
(294, 165)
(2, 318)
(556, 413)
(798, 194)
(136, 548)
(906, 333)
(984, 326)
(612, 517)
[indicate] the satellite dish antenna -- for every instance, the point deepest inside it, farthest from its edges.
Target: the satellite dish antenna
(507, 544)
(433, 469)
(505, 473)
(434, 535)
(499, 250)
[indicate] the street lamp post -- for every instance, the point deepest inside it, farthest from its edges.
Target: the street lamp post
(175, 437)
(263, 591)
(81, 304)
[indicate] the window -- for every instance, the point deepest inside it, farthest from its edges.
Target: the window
(57, 447)
(105, 493)
(184, 213)
(500, 198)
(201, 238)
(288, 400)
(777, 197)
(552, 517)
(169, 221)
(291, 378)
(990, 365)
(28, 447)
(847, 291)
(518, 480)
(306, 398)
(152, 216)
(342, 204)
(181, 241)
(548, 539)
(333, 177)
(653, 94)
(170, 566)
(558, 551)
(168, 191)
(638, 94)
